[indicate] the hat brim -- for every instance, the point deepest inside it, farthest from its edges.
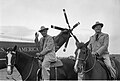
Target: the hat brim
(43, 29)
(96, 25)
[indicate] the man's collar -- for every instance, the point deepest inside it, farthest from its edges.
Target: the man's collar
(99, 33)
(45, 36)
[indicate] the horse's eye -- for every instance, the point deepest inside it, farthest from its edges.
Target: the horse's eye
(5, 56)
(83, 52)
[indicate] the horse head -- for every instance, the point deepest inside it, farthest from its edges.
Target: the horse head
(82, 53)
(61, 38)
(10, 58)
(64, 36)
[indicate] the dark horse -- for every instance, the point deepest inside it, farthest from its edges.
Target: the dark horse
(2, 60)
(27, 65)
(90, 67)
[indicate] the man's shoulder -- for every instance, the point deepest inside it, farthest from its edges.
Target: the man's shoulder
(101, 34)
(49, 37)
(92, 36)
(41, 37)
(105, 34)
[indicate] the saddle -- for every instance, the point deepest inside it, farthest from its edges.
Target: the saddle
(101, 61)
(54, 64)
(57, 63)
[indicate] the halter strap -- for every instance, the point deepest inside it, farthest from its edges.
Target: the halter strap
(90, 68)
(10, 65)
(83, 59)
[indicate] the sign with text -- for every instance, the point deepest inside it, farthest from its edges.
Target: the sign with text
(28, 49)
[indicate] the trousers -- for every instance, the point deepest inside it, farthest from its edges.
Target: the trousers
(45, 69)
(109, 65)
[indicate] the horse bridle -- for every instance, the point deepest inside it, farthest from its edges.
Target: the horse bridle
(84, 61)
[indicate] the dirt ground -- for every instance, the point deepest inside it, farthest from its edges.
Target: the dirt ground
(13, 77)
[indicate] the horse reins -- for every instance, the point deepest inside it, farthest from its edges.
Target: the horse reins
(29, 71)
(34, 57)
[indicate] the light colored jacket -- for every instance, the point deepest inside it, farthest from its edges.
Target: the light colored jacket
(48, 49)
(100, 46)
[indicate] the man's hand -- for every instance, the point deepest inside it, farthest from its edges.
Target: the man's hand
(36, 35)
(77, 44)
(95, 53)
(38, 54)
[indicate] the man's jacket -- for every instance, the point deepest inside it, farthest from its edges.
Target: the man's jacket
(101, 45)
(47, 48)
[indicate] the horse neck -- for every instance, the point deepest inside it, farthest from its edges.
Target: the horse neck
(25, 65)
(60, 39)
(21, 61)
(2, 64)
(89, 61)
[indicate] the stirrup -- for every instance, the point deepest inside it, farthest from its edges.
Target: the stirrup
(113, 76)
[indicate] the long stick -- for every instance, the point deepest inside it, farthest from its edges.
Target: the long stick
(66, 18)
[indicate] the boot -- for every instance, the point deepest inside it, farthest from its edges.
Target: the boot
(113, 73)
(46, 75)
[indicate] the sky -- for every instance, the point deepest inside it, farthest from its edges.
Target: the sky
(22, 18)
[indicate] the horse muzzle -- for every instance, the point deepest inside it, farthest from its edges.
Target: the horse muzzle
(80, 68)
(9, 70)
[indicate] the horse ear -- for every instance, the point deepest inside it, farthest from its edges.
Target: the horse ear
(86, 44)
(15, 48)
(3, 49)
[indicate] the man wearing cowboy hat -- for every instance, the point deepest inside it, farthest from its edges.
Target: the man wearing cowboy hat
(99, 46)
(47, 49)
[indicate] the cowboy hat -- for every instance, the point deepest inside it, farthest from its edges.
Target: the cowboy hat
(97, 23)
(43, 28)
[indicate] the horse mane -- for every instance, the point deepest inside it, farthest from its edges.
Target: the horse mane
(24, 54)
(61, 34)
(80, 45)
